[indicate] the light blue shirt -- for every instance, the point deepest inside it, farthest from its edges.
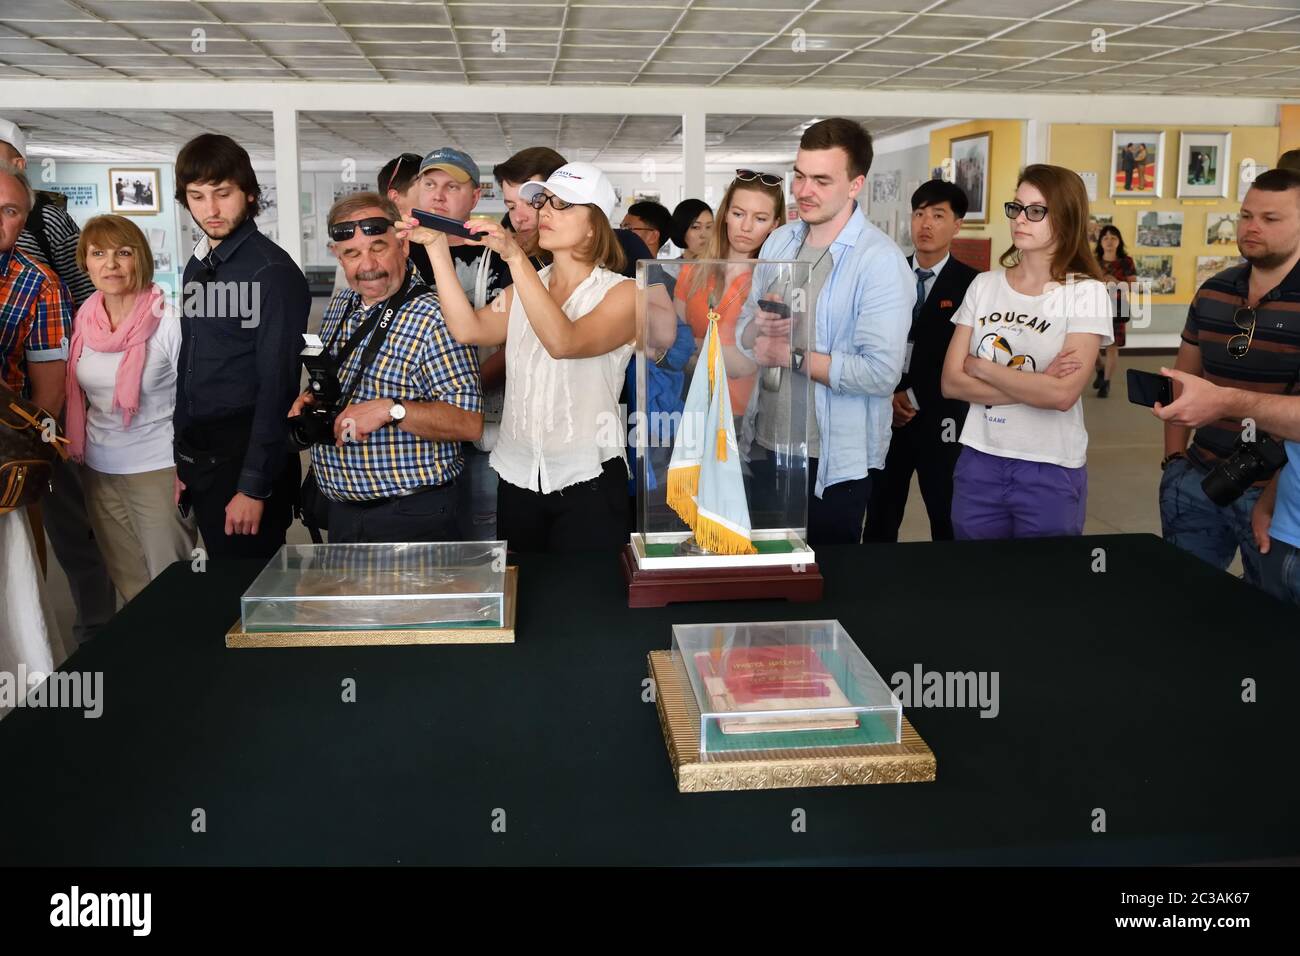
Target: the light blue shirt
(862, 317)
(1286, 512)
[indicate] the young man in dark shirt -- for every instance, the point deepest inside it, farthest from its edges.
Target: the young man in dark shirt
(925, 424)
(244, 310)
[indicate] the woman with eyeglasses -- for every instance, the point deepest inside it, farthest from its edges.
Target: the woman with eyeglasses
(692, 227)
(751, 208)
(1026, 339)
(1120, 274)
(568, 332)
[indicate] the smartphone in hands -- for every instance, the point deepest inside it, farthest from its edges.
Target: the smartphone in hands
(451, 227)
(1147, 388)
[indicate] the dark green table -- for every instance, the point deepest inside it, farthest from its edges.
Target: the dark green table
(1118, 690)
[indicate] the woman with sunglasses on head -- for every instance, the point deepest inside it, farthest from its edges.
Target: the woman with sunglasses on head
(1120, 274)
(751, 208)
(1026, 339)
(568, 332)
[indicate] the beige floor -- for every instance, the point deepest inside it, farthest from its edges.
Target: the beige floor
(1124, 451)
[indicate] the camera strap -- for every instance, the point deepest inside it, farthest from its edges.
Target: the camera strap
(377, 327)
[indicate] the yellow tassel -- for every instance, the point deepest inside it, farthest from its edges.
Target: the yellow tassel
(722, 540)
(683, 485)
(722, 444)
(714, 347)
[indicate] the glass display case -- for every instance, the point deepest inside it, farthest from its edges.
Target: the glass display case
(372, 587)
(721, 423)
(798, 685)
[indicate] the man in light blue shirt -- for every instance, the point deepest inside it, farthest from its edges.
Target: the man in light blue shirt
(860, 309)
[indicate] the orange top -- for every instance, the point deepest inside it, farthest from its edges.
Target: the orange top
(729, 305)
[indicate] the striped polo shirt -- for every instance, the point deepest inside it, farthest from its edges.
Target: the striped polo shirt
(1272, 364)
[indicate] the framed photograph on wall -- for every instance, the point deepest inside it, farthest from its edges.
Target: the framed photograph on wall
(1157, 273)
(1137, 163)
(1221, 228)
(1160, 229)
(970, 167)
(1203, 160)
(134, 192)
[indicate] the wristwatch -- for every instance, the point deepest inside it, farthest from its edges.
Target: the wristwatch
(796, 360)
(397, 412)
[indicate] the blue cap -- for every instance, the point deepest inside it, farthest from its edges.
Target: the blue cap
(454, 162)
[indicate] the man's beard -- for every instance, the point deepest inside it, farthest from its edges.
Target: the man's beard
(1268, 260)
(233, 226)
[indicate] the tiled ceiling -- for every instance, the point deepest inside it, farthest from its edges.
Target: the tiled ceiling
(374, 138)
(1179, 47)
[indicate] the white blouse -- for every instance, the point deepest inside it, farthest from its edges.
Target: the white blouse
(561, 418)
(111, 448)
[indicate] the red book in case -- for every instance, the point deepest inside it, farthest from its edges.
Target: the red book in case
(788, 677)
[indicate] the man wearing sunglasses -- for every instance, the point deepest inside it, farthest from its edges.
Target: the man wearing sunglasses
(410, 393)
(1242, 335)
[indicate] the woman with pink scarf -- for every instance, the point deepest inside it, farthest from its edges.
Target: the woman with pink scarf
(121, 392)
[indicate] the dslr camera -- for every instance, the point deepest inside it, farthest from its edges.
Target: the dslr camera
(315, 426)
(1249, 462)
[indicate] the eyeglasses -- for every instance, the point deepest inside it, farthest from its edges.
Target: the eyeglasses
(767, 179)
(541, 199)
(1034, 212)
(370, 226)
(1239, 344)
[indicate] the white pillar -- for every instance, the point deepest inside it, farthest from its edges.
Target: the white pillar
(288, 210)
(1034, 142)
(693, 123)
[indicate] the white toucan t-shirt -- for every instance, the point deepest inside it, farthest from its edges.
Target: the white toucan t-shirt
(1026, 332)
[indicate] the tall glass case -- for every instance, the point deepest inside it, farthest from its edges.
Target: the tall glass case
(325, 587)
(721, 422)
(791, 685)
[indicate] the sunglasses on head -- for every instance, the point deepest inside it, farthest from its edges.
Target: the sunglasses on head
(767, 179)
(541, 199)
(1034, 212)
(370, 226)
(406, 159)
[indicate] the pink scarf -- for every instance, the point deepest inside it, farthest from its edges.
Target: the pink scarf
(93, 328)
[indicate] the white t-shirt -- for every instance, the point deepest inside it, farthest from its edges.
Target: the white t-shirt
(561, 418)
(112, 448)
(1026, 332)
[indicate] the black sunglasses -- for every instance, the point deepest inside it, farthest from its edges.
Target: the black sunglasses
(767, 179)
(371, 226)
(1239, 344)
(1034, 212)
(405, 158)
(541, 199)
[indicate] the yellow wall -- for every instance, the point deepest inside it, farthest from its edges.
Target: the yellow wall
(1004, 169)
(1087, 149)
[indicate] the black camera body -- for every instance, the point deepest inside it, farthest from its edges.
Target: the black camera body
(1249, 462)
(315, 426)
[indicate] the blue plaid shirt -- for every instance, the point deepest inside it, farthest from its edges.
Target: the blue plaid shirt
(418, 362)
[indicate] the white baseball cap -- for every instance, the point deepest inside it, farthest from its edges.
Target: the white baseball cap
(11, 134)
(577, 183)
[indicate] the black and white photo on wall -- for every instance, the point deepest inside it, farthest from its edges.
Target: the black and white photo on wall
(134, 192)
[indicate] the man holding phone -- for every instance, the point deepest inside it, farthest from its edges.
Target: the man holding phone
(860, 308)
(926, 424)
(1239, 357)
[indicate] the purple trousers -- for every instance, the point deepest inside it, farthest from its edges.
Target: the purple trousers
(995, 497)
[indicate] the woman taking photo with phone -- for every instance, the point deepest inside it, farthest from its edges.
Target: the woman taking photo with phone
(1120, 273)
(751, 208)
(1026, 339)
(121, 385)
(568, 332)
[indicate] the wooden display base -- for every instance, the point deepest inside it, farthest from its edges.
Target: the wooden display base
(647, 588)
(910, 761)
(238, 637)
